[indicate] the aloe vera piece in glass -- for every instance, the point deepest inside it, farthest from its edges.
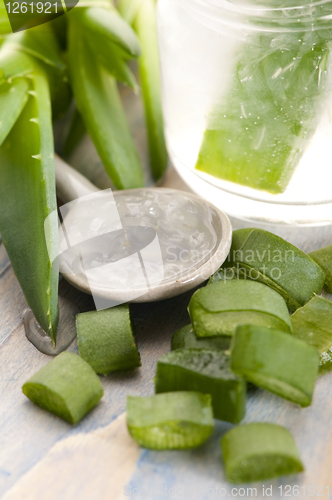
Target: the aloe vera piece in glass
(262, 256)
(67, 386)
(276, 361)
(258, 451)
(185, 338)
(313, 324)
(323, 257)
(170, 421)
(259, 131)
(218, 309)
(106, 340)
(206, 371)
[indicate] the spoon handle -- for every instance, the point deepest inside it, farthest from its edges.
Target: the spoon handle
(70, 184)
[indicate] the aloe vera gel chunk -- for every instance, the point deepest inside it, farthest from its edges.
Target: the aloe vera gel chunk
(106, 340)
(262, 256)
(258, 451)
(171, 421)
(312, 323)
(323, 257)
(185, 338)
(218, 309)
(276, 361)
(67, 386)
(206, 371)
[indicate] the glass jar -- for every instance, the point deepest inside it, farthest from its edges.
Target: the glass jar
(247, 101)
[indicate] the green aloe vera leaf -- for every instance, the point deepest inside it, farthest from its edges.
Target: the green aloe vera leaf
(254, 136)
(323, 257)
(67, 386)
(266, 257)
(149, 72)
(129, 9)
(171, 421)
(185, 338)
(275, 361)
(206, 371)
(14, 64)
(73, 133)
(218, 309)
(313, 324)
(5, 27)
(27, 198)
(106, 340)
(13, 98)
(258, 451)
(98, 101)
(223, 274)
(39, 42)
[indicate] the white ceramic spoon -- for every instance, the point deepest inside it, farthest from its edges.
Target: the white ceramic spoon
(71, 185)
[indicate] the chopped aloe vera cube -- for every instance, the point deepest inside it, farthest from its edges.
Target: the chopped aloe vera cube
(263, 256)
(218, 309)
(313, 324)
(67, 387)
(106, 340)
(323, 257)
(276, 361)
(257, 451)
(170, 421)
(185, 338)
(254, 137)
(206, 371)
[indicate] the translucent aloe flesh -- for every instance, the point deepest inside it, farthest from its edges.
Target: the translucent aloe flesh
(185, 338)
(313, 324)
(106, 340)
(276, 361)
(258, 451)
(262, 256)
(67, 386)
(171, 421)
(260, 129)
(207, 371)
(219, 308)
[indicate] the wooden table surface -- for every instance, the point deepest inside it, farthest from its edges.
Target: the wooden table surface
(44, 458)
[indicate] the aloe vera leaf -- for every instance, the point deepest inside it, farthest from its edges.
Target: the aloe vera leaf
(73, 133)
(5, 27)
(98, 101)
(67, 386)
(129, 9)
(39, 42)
(14, 64)
(149, 72)
(106, 340)
(185, 338)
(27, 198)
(172, 421)
(313, 324)
(219, 308)
(276, 361)
(266, 257)
(258, 451)
(254, 137)
(13, 98)
(323, 257)
(206, 371)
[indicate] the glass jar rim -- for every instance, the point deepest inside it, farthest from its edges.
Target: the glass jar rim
(267, 15)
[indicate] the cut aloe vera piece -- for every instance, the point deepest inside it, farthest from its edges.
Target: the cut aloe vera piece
(254, 136)
(171, 421)
(67, 387)
(313, 324)
(206, 371)
(220, 308)
(106, 340)
(258, 451)
(185, 338)
(262, 256)
(276, 361)
(323, 257)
